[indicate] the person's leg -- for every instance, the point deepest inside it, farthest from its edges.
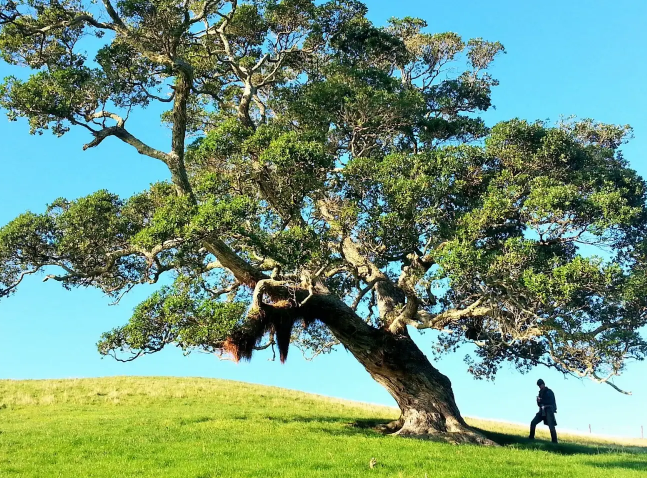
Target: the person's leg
(533, 424)
(553, 434)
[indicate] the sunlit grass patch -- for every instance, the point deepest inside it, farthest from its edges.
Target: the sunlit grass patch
(194, 427)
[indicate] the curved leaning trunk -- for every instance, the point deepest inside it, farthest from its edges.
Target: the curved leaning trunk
(424, 395)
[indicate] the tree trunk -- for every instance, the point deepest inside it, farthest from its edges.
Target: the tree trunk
(424, 395)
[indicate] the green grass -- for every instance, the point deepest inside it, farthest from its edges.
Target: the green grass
(199, 428)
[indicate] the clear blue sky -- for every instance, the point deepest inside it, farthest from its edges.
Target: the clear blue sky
(583, 57)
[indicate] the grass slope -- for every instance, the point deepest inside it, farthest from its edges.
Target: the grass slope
(199, 428)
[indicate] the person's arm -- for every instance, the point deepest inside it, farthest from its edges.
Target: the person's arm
(551, 400)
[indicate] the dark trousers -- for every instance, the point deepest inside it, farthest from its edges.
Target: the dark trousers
(538, 419)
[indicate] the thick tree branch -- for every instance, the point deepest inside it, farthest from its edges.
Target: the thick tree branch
(389, 296)
(114, 16)
(425, 320)
(362, 293)
(128, 138)
(106, 114)
(243, 271)
(204, 12)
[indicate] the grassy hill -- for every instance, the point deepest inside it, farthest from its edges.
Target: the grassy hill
(199, 428)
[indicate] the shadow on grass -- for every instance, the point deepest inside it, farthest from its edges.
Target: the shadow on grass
(625, 464)
(368, 423)
(360, 427)
(522, 443)
(562, 448)
(302, 419)
(368, 427)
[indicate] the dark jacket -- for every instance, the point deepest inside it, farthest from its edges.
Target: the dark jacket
(547, 406)
(547, 398)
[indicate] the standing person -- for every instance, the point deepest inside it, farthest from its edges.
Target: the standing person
(547, 411)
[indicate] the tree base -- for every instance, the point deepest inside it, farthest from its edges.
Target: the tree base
(459, 434)
(464, 437)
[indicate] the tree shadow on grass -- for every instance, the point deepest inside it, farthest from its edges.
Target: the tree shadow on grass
(562, 448)
(368, 427)
(309, 419)
(625, 464)
(359, 427)
(368, 423)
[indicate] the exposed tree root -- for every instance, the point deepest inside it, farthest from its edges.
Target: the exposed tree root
(463, 437)
(391, 427)
(459, 435)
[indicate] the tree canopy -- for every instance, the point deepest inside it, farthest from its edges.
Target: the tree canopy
(325, 169)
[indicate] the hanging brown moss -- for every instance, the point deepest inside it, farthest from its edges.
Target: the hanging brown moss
(282, 316)
(241, 342)
(278, 318)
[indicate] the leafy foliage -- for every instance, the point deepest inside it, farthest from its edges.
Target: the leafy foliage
(182, 314)
(330, 157)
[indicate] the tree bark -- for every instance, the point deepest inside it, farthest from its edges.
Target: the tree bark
(175, 162)
(424, 395)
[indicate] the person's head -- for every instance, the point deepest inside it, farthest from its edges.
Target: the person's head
(541, 384)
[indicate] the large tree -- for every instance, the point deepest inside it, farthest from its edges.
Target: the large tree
(340, 188)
